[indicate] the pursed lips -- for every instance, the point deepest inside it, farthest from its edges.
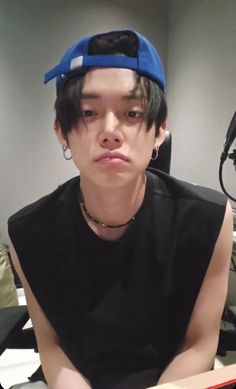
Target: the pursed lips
(112, 156)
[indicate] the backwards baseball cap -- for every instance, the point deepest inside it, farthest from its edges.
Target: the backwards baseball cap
(77, 59)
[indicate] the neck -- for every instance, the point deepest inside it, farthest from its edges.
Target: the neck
(113, 206)
(101, 224)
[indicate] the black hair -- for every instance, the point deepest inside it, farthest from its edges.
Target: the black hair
(67, 104)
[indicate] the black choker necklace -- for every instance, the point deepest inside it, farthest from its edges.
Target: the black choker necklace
(103, 224)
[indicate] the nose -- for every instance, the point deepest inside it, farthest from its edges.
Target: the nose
(110, 136)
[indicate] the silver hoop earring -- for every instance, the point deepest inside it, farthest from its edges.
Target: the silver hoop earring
(64, 148)
(154, 153)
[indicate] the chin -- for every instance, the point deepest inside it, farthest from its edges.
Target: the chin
(112, 178)
(117, 180)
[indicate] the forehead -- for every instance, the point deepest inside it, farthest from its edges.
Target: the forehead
(109, 81)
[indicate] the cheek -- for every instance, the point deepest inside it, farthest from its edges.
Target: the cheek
(142, 152)
(82, 149)
(145, 141)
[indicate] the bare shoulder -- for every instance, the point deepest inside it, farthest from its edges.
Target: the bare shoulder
(44, 332)
(223, 248)
(212, 295)
(16, 262)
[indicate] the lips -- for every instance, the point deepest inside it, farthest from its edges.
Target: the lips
(111, 156)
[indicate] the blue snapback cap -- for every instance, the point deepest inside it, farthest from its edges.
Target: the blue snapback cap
(76, 59)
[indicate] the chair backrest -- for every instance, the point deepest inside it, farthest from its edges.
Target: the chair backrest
(163, 160)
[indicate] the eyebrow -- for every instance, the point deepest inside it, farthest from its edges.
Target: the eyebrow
(91, 95)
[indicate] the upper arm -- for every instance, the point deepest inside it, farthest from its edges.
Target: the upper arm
(205, 320)
(44, 332)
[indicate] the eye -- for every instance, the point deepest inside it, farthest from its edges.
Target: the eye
(135, 114)
(88, 113)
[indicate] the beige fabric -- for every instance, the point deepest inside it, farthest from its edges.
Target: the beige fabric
(30, 385)
(8, 295)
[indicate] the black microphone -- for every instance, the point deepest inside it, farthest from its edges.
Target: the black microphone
(231, 134)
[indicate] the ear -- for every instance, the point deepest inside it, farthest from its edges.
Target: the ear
(159, 139)
(60, 136)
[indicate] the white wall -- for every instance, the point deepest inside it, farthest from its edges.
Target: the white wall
(33, 36)
(201, 87)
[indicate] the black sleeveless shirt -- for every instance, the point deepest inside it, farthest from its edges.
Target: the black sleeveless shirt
(120, 308)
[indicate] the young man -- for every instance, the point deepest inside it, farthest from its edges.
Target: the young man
(125, 272)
